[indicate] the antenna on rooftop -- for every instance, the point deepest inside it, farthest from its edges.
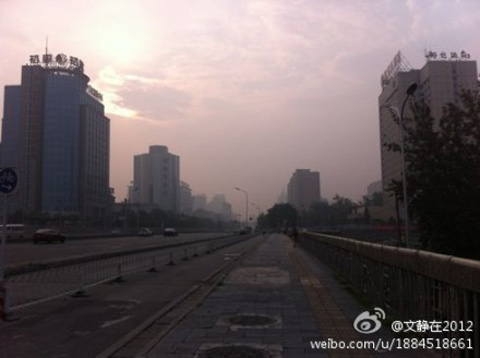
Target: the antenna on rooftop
(46, 46)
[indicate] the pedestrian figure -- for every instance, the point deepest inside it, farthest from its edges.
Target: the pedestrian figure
(295, 236)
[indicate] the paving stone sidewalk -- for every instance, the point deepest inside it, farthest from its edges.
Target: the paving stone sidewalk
(272, 305)
(264, 287)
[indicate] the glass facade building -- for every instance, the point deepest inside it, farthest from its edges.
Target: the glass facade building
(10, 127)
(61, 147)
(55, 123)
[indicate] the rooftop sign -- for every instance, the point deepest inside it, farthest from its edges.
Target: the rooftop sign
(398, 64)
(93, 92)
(443, 56)
(61, 61)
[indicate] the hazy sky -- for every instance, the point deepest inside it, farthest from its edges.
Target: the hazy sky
(244, 91)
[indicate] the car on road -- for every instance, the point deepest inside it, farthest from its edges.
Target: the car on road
(145, 231)
(48, 235)
(15, 231)
(169, 231)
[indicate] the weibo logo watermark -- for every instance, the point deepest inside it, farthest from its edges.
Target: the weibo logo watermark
(367, 323)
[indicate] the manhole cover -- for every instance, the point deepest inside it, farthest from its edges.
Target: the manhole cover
(235, 352)
(250, 320)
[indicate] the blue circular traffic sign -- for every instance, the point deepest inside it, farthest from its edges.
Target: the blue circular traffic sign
(8, 180)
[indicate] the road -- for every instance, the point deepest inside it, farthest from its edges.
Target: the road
(84, 327)
(25, 253)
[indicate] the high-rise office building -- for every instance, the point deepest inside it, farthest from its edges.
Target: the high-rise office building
(157, 178)
(440, 81)
(55, 132)
(304, 189)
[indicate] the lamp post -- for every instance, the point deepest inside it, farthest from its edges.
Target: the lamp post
(246, 205)
(399, 113)
(125, 224)
(137, 205)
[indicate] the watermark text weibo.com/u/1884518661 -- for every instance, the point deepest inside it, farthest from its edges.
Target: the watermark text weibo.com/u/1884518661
(367, 323)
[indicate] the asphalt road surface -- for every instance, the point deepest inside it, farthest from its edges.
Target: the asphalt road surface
(84, 327)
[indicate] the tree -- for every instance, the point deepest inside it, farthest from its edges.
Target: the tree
(376, 199)
(281, 215)
(318, 214)
(443, 175)
(262, 220)
(395, 188)
(340, 209)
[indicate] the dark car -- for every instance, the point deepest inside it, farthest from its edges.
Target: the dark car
(48, 235)
(170, 232)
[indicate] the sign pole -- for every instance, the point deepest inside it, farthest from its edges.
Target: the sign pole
(4, 238)
(8, 184)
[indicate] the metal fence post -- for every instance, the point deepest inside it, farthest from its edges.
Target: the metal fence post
(171, 262)
(154, 266)
(119, 277)
(7, 314)
(81, 292)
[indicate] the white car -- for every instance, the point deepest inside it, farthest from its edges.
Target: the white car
(170, 232)
(145, 232)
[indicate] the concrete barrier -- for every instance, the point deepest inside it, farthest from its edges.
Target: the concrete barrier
(449, 269)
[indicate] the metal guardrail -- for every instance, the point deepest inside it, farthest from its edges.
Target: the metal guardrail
(29, 288)
(410, 284)
(164, 243)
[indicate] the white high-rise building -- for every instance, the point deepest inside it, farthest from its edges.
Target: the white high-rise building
(157, 179)
(440, 81)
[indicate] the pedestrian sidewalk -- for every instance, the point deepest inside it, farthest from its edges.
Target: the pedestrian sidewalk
(274, 304)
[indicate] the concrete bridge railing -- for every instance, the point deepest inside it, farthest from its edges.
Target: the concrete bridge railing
(411, 285)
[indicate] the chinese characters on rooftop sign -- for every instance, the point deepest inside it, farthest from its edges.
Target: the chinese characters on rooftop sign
(442, 56)
(93, 92)
(60, 61)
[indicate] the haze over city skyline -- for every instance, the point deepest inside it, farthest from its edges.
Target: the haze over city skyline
(244, 92)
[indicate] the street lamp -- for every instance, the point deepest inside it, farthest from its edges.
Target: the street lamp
(409, 92)
(246, 205)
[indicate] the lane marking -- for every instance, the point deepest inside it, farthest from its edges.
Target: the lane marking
(111, 323)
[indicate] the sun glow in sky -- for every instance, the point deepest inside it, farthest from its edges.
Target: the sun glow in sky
(245, 92)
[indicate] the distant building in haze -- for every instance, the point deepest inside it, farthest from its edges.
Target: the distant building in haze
(440, 81)
(219, 205)
(199, 202)
(55, 132)
(186, 198)
(304, 189)
(156, 179)
(375, 187)
(282, 198)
